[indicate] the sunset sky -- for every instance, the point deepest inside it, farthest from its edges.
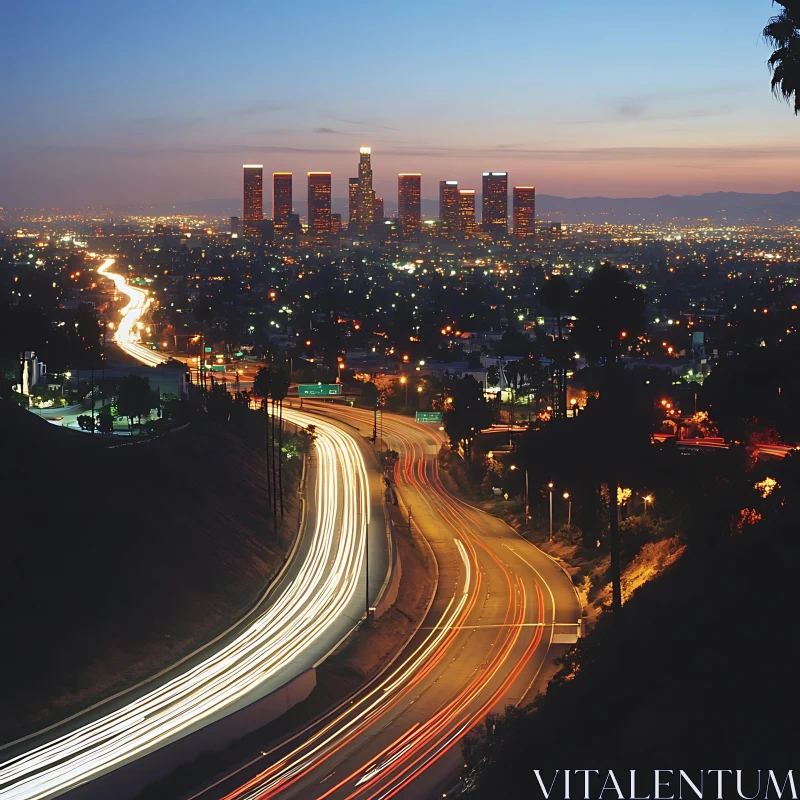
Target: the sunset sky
(162, 102)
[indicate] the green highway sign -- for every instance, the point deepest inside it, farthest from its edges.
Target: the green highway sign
(429, 416)
(319, 389)
(218, 368)
(208, 349)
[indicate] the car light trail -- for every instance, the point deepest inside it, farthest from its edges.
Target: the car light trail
(422, 743)
(127, 335)
(315, 598)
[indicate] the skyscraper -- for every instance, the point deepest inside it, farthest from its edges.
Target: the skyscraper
(379, 212)
(319, 202)
(252, 198)
(524, 212)
(466, 211)
(409, 193)
(281, 200)
(352, 195)
(448, 205)
(365, 196)
(494, 212)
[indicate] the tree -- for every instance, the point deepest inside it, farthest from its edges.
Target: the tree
(204, 314)
(278, 391)
(262, 386)
(610, 312)
(783, 33)
(86, 423)
(468, 413)
(556, 294)
(105, 420)
(135, 398)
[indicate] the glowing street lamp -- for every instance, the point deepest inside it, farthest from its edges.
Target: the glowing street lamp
(404, 381)
(550, 487)
(648, 498)
(527, 507)
(568, 498)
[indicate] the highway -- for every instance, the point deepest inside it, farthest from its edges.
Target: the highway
(317, 602)
(126, 335)
(502, 610)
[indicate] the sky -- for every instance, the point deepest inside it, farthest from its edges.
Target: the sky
(108, 103)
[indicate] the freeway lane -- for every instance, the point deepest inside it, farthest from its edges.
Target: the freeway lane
(319, 600)
(126, 335)
(500, 608)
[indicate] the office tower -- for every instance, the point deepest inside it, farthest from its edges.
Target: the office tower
(281, 200)
(379, 213)
(409, 192)
(466, 212)
(252, 199)
(235, 228)
(336, 224)
(448, 205)
(524, 212)
(293, 225)
(352, 194)
(494, 212)
(319, 202)
(365, 196)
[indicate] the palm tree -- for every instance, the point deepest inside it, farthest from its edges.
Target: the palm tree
(262, 386)
(278, 392)
(610, 313)
(556, 294)
(783, 33)
(203, 314)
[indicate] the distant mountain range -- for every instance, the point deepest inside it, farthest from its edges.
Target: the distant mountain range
(718, 207)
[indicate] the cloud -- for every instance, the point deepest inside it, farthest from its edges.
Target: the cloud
(325, 130)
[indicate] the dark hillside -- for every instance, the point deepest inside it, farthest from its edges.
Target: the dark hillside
(117, 560)
(705, 675)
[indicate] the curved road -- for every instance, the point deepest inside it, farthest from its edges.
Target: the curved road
(502, 610)
(126, 335)
(317, 602)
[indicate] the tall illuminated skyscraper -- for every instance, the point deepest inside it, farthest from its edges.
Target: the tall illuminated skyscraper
(252, 198)
(524, 212)
(379, 212)
(281, 200)
(352, 195)
(365, 196)
(466, 211)
(448, 205)
(494, 212)
(409, 194)
(319, 202)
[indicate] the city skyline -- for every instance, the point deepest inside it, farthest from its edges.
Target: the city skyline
(633, 119)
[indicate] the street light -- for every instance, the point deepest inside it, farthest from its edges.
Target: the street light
(404, 381)
(550, 487)
(568, 498)
(527, 507)
(648, 498)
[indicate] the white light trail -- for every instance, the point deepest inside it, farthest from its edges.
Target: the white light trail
(127, 334)
(316, 597)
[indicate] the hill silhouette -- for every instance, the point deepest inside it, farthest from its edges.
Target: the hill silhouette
(119, 559)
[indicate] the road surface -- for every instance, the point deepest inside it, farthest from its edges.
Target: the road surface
(502, 610)
(318, 601)
(126, 334)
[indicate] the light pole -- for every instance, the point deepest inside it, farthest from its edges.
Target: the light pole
(550, 487)
(568, 498)
(404, 381)
(527, 493)
(648, 498)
